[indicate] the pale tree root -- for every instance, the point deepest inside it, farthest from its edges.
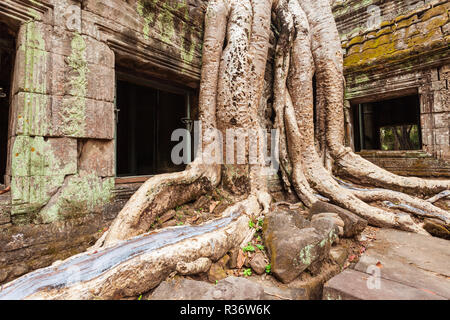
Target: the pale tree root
(164, 192)
(329, 66)
(439, 196)
(397, 200)
(359, 170)
(143, 262)
(156, 196)
(299, 119)
(290, 138)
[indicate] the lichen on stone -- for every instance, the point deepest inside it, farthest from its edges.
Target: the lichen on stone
(74, 106)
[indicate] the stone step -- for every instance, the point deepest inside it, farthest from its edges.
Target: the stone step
(356, 285)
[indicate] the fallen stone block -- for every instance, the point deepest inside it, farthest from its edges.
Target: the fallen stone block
(353, 224)
(339, 255)
(258, 264)
(412, 259)
(231, 288)
(293, 243)
(355, 285)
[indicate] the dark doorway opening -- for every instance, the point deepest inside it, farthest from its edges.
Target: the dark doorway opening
(7, 56)
(147, 114)
(388, 125)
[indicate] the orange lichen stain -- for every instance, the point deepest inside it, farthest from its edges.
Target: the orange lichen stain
(32, 149)
(17, 154)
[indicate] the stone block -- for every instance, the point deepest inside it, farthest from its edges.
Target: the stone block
(20, 191)
(294, 243)
(99, 53)
(42, 188)
(61, 41)
(58, 77)
(426, 121)
(89, 26)
(216, 273)
(101, 83)
(37, 156)
(259, 263)
(427, 137)
(97, 156)
(67, 12)
(441, 102)
(5, 210)
(83, 118)
(441, 120)
(442, 136)
(36, 35)
(100, 119)
(353, 224)
(32, 114)
(414, 260)
(53, 156)
(231, 288)
(31, 71)
(339, 255)
(354, 285)
(20, 156)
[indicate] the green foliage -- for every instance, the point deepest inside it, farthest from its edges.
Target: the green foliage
(260, 247)
(248, 272)
(260, 222)
(401, 137)
(249, 248)
(251, 224)
(268, 268)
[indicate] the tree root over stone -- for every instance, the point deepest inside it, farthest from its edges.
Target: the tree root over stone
(235, 55)
(130, 268)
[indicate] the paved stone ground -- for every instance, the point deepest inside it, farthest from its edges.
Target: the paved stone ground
(396, 266)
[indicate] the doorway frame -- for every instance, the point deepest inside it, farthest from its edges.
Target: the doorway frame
(154, 84)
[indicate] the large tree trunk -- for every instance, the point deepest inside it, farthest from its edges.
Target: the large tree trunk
(235, 51)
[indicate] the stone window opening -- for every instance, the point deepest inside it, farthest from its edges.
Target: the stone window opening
(7, 57)
(388, 125)
(147, 112)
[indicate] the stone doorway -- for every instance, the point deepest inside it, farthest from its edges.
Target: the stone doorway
(7, 56)
(388, 125)
(147, 112)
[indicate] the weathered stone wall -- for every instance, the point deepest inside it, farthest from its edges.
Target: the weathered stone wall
(61, 166)
(61, 146)
(395, 48)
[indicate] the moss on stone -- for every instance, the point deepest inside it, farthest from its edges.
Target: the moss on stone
(74, 107)
(80, 195)
(398, 39)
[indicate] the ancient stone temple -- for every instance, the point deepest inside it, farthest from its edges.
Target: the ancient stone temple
(91, 91)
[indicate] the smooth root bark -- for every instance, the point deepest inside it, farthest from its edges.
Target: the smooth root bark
(235, 53)
(281, 69)
(144, 262)
(156, 196)
(328, 61)
(405, 202)
(162, 193)
(301, 91)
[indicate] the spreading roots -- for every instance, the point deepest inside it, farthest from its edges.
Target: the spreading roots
(312, 153)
